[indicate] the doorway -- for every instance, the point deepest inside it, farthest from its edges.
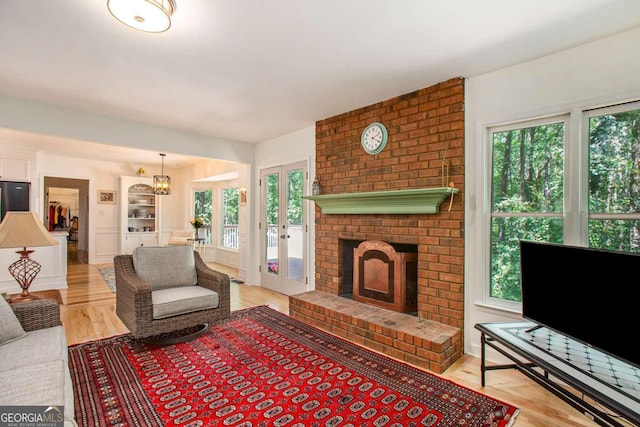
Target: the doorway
(66, 208)
(283, 229)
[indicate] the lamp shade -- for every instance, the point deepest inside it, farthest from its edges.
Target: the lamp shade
(22, 230)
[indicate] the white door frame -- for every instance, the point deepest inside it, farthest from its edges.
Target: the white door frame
(290, 239)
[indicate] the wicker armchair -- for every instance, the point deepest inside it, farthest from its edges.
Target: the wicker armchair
(134, 305)
(37, 314)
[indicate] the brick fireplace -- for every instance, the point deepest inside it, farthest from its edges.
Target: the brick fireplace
(425, 149)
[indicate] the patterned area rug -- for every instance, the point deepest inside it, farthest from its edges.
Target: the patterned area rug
(109, 277)
(264, 368)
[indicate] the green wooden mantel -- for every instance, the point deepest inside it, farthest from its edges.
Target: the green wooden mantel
(414, 201)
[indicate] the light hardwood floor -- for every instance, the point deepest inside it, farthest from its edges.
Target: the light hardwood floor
(88, 313)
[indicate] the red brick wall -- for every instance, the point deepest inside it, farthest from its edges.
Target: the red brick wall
(424, 128)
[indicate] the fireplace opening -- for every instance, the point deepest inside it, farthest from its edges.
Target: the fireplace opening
(380, 273)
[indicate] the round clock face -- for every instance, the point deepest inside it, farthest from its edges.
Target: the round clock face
(374, 138)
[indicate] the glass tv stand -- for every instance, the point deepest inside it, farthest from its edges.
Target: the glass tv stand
(603, 388)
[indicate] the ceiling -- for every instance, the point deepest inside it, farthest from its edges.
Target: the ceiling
(250, 70)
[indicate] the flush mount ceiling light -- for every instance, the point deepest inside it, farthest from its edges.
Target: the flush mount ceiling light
(162, 182)
(152, 16)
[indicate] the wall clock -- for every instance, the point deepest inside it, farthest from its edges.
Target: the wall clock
(374, 138)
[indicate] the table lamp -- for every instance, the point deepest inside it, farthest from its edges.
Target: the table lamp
(22, 230)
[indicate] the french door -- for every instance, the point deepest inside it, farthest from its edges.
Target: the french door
(283, 229)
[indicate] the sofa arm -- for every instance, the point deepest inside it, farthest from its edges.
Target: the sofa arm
(37, 314)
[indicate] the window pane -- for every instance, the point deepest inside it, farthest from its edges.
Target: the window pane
(615, 235)
(527, 180)
(506, 234)
(527, 173)
(614, 157)
(202, 208)
(230, 218)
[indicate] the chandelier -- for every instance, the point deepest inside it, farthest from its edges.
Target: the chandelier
(152, 16)
(162, 182)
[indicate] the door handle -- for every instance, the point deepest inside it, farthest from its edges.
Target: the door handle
(284, 236)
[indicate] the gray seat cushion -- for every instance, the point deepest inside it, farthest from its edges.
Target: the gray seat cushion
(174, 301)
(165, 266)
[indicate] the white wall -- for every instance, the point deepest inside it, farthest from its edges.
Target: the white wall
(246, 229)
(40, 118)
(103, 218)
(294, 147)
(595, 74)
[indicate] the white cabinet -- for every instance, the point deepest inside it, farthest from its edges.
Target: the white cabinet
(139, 213)
(14, 169)
(133, 240)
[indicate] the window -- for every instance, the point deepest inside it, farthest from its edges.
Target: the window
(229, 235)
(548, 187)
(527, 197)
(203, 208)
(614, 179)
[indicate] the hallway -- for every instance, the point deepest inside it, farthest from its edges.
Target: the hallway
(75, 256)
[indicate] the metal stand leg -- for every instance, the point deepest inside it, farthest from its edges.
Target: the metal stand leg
(482, 358)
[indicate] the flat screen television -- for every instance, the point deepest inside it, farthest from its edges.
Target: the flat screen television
(591, 295)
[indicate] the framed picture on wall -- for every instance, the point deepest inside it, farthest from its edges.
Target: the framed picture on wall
(107, 197)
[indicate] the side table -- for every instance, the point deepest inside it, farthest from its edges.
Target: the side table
(199, 245)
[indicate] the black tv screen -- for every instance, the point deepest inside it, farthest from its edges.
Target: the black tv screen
(588, 294)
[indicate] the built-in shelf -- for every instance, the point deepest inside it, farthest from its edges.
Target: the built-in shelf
(414, 201)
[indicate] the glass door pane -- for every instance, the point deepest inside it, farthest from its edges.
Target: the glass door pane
(295, 233)
(272, 207)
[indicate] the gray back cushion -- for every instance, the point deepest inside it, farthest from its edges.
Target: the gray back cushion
(165, 266)
(10, 327)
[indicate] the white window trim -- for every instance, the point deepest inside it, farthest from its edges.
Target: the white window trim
(216, 201)
(204, 186)
(587, 115)
(480, 268)
(576, 193)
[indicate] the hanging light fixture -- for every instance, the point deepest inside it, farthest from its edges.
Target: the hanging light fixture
(162, 182)
(152, 16)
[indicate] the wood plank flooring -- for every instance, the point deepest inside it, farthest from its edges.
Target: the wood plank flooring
(88, 313)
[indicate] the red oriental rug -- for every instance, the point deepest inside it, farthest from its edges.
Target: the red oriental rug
(264, 368)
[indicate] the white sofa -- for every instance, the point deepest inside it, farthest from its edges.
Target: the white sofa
(180, 238)
(33, 350)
